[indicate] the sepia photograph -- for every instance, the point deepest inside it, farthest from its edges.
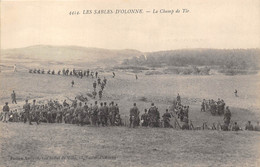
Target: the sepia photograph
(140, 83)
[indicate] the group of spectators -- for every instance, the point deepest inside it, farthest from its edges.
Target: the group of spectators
(212, 106)
(104, 114)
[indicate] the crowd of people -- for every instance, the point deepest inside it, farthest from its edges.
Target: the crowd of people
(75, 113)
(212, 106)
(107, 114)
(68, 72)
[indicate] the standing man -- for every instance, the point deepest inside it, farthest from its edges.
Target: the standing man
(13, 96)
(27, 115)
(6, 110)
(227, 116)
(134, 112)
(112, 113)
(95, 114)
(166, 119)
(100, 94)
(102, 115)
(99, 81)
(154, 116)
(95, 85)
(72, 83)
(178, 98)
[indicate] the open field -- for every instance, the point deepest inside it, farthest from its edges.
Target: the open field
(71, 145)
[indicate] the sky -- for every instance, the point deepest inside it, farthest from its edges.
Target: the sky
(208, 24)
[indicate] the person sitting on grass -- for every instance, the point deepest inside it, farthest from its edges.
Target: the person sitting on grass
(235, 127)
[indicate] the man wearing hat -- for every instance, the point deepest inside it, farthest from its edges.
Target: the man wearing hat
(6, 112)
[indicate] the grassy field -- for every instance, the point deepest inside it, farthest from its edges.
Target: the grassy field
(71, 145)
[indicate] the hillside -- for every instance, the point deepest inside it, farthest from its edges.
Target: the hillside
(67, 55)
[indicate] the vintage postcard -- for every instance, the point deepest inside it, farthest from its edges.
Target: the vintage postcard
(130, 83)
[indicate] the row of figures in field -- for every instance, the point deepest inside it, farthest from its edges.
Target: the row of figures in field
(214, 107)
(75, 113)
(104, 114)
(68, 72)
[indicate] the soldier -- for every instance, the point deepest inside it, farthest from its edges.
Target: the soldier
(203, 106)
(67, 72)
(136, 77)
(27, 115)
(145, 118)
(96, 74)
(249, 126)
(59, 72)
(6, 110)
(178, 98)
(88, 73)
(80, 114)
(166, 119)
(53, 72)
(65, 104)
(86, 114)
(257, 127)
(102, 114)
(235, 127)
(99, 81)
(72, 83)
(106, 111)
(95, 111)
(94, 93)
(118, 121)
(100, 94)
(114, 75)
(112, 113)
(85, 107)
(59, 115)
(154, 116)
(134, 112)
(105, 80)
(74, 103)
(95, 85)
(227, 116)
(102, 86)
(13, 96)
(35, 113)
